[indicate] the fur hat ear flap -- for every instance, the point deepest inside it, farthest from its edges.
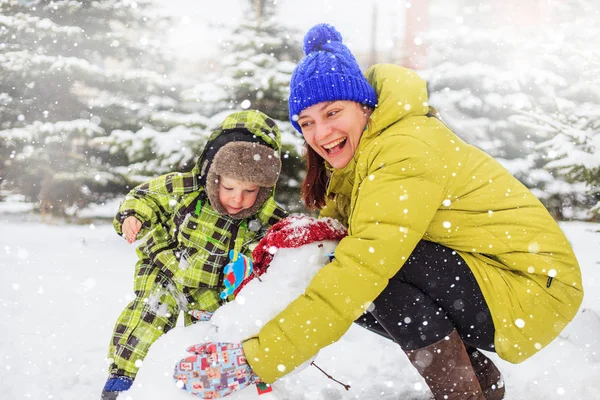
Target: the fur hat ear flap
(244, 161)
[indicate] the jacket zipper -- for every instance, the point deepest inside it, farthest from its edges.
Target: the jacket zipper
(234, 233)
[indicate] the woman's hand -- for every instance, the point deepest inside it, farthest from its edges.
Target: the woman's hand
(214, 370)
(131, 228)
(201, 315)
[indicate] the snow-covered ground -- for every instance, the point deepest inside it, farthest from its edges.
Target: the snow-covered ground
(62, 288)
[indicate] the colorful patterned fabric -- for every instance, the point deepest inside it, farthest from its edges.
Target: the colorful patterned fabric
(215, 370)
(236, 271)
(184, 250)
(201, 315)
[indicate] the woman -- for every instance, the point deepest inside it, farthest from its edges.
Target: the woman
(446, 251)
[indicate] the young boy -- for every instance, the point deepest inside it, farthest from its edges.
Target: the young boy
(191, 223)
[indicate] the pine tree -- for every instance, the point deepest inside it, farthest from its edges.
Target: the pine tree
(72, 73)
(486, 75)
(258, 58)
(571, 130)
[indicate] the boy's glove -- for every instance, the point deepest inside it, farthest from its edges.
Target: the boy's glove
(201, 315)
(235, 272)
(215, 370)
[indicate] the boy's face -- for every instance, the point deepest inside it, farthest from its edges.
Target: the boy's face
(235, 195)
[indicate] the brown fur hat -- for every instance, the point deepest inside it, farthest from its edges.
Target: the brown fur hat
(244, 161)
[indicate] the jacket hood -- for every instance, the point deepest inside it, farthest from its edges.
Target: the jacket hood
(244, 126)
(246, 146)
(401, 93)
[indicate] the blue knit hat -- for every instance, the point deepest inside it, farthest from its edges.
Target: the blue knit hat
(329, 72)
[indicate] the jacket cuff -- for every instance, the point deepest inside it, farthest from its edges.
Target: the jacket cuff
(123, 215)
(261, 368)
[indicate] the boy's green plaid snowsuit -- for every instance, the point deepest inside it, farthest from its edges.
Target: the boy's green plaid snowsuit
(185, 249)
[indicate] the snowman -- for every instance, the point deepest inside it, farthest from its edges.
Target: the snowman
(285, 261)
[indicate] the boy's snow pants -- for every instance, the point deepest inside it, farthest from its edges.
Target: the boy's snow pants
(151, 314)
(433, 293)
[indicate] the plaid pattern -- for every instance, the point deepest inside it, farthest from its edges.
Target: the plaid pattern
(184, 250)
(215, 370)
(143, 321)
(206, 240)
(154, 203)
(169, 288)
(254, 121)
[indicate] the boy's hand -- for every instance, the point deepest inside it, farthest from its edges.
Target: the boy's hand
(235, 272)
(214, 370)
(131, 227)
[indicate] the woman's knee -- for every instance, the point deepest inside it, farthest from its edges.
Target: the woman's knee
(428, 263)
(409, 316)
(436, 289)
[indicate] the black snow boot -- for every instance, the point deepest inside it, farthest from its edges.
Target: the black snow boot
(487, 373)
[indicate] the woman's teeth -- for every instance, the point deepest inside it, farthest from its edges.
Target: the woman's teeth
(329, 147)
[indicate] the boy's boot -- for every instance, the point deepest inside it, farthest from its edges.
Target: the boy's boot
(447, 370)
(115, 385)
(488, 375)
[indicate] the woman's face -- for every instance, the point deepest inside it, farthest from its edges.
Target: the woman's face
(333, 129)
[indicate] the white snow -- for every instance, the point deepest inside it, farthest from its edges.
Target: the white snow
(62, 288)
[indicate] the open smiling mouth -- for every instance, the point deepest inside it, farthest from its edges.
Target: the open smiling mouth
(334, 147)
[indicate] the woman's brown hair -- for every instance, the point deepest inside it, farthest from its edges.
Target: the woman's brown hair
(314, 185)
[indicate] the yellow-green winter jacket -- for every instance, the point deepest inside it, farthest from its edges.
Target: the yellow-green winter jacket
(412, 178)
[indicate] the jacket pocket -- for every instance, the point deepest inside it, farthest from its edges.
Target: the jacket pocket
(202, 253)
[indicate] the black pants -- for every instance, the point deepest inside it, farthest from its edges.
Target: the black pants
(432, 294)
